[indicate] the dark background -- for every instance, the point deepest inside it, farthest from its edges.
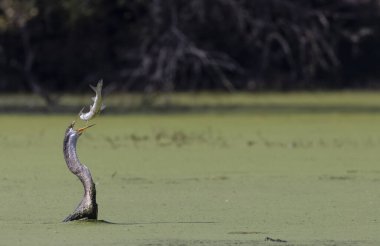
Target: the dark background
(189, 45)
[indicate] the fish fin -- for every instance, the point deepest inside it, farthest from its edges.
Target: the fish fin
(81, 111)
(93, 98)
(102, 107)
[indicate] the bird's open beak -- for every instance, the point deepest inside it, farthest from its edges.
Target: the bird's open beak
(81, 130)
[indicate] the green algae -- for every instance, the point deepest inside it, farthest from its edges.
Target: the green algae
(195, 179)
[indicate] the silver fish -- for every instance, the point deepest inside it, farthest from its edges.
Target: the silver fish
(97, 106)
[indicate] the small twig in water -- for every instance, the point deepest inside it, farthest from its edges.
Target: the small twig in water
(275, 240)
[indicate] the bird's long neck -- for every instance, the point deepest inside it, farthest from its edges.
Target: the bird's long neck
(77, 168)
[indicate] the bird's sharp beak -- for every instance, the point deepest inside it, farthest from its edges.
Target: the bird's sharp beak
(81, 130)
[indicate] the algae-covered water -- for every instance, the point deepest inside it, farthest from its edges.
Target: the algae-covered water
(196, 179)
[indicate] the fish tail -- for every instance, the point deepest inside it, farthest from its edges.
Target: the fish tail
(100, 84)
(93, 88)
(98, 87)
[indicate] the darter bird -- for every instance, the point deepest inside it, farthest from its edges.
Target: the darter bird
(87, 208)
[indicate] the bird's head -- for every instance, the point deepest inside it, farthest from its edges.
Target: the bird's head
(71, 132)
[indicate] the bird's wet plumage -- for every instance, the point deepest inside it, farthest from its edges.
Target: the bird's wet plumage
(87, 208)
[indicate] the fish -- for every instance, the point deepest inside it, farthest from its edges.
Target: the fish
(97, 106)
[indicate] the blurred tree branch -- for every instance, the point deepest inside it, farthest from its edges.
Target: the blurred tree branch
(18, 13)
(167, 45)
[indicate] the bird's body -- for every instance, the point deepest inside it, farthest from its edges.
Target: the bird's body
(87, 208)
(97, 106)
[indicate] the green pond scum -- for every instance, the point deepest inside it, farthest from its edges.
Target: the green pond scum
(299, 177)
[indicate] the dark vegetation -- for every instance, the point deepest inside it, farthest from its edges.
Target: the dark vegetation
(180, 45)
